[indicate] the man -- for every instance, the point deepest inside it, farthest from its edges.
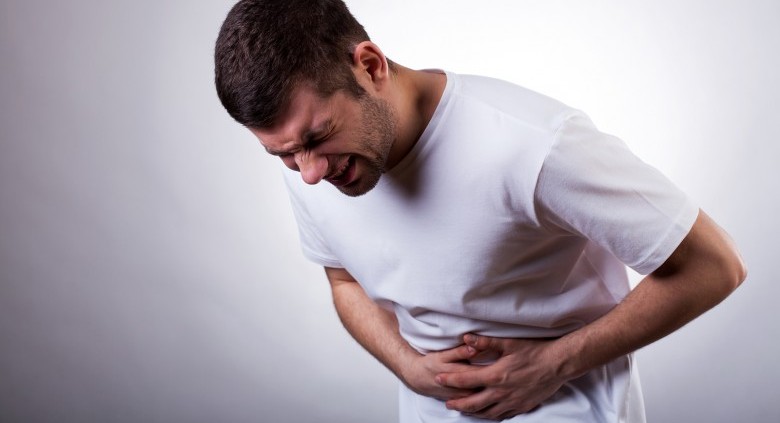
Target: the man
(479, 250)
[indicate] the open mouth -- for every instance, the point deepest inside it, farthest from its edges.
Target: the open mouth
(343, 174)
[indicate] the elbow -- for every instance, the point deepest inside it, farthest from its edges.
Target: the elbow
(725, 257)
(731, 272)
(733, 265)
(740, 271)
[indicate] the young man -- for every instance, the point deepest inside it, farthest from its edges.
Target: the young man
(479, 250)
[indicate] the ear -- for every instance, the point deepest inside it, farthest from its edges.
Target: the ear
(370, 66)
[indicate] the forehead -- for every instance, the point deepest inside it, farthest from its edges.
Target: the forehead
(306, 113)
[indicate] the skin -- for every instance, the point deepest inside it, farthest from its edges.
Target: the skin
(323, 137)
(349, 142)
(701, 272)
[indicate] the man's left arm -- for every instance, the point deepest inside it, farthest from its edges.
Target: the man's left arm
(703, 270)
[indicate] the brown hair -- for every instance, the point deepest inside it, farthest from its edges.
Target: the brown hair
(266, 48)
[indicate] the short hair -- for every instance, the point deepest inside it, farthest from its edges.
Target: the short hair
(266, 48)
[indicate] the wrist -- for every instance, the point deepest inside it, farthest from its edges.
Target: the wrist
(404, 364)
(568, 354)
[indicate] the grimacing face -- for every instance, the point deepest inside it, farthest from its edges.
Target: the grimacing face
(341, 139)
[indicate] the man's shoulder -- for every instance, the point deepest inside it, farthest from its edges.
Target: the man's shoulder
(514, 101)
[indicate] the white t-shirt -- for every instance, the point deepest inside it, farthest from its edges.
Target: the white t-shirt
(512, 216)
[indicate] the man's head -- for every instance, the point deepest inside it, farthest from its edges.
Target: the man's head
(267, 48)
(304, 78)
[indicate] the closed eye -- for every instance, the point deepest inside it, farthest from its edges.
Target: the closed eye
(278, 153)
(310, 145)
(311, 141)
(319, 136)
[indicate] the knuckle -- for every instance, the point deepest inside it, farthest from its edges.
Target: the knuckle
(470, 408)
(494, 379)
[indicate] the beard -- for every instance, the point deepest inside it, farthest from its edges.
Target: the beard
(377, 130)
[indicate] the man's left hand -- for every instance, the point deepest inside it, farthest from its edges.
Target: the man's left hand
(524, 374)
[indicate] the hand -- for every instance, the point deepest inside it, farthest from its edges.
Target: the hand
(523, 375)
(419, 374)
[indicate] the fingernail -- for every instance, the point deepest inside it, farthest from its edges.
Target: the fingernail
(470, 338)
(437, 379)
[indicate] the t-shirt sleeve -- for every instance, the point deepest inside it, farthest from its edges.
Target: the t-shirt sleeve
(592, 185)
(313, 244)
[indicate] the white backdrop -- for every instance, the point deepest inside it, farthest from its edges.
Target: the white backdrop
(149, 265)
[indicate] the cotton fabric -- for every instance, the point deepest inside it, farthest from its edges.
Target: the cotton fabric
(512, 216)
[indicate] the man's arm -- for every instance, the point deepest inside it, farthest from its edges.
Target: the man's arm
(703, 270)
(376, 329)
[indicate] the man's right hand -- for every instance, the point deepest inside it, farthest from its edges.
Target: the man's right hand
(376, 329)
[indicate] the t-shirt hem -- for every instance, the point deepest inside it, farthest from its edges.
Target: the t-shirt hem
(674, 236)
(323, 261)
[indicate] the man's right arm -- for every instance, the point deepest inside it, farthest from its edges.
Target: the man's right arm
(376, 329)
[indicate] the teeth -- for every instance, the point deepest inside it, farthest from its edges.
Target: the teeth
(341, 171)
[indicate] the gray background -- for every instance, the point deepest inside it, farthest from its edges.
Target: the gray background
(149, 266)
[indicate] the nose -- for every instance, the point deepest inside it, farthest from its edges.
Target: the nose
(313, 167)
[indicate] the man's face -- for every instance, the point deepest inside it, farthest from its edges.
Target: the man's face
(340, 139)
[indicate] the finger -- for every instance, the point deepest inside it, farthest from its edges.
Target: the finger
(470, 379)
(508, 414)
(484, 343)
(488, 404)
(485, 357)
(460, 353)
(477, 404)
(453, 394)
(458, 368)
(491, 413)
(503, 410)
(446, 394)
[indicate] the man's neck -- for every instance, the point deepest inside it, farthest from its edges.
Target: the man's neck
(418, 94)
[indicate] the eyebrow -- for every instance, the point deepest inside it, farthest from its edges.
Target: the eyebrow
(307, 136)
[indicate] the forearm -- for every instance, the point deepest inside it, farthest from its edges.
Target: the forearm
(694, 280)
(528, 372)
(701, 272)
(374, 328)
(652, 311)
